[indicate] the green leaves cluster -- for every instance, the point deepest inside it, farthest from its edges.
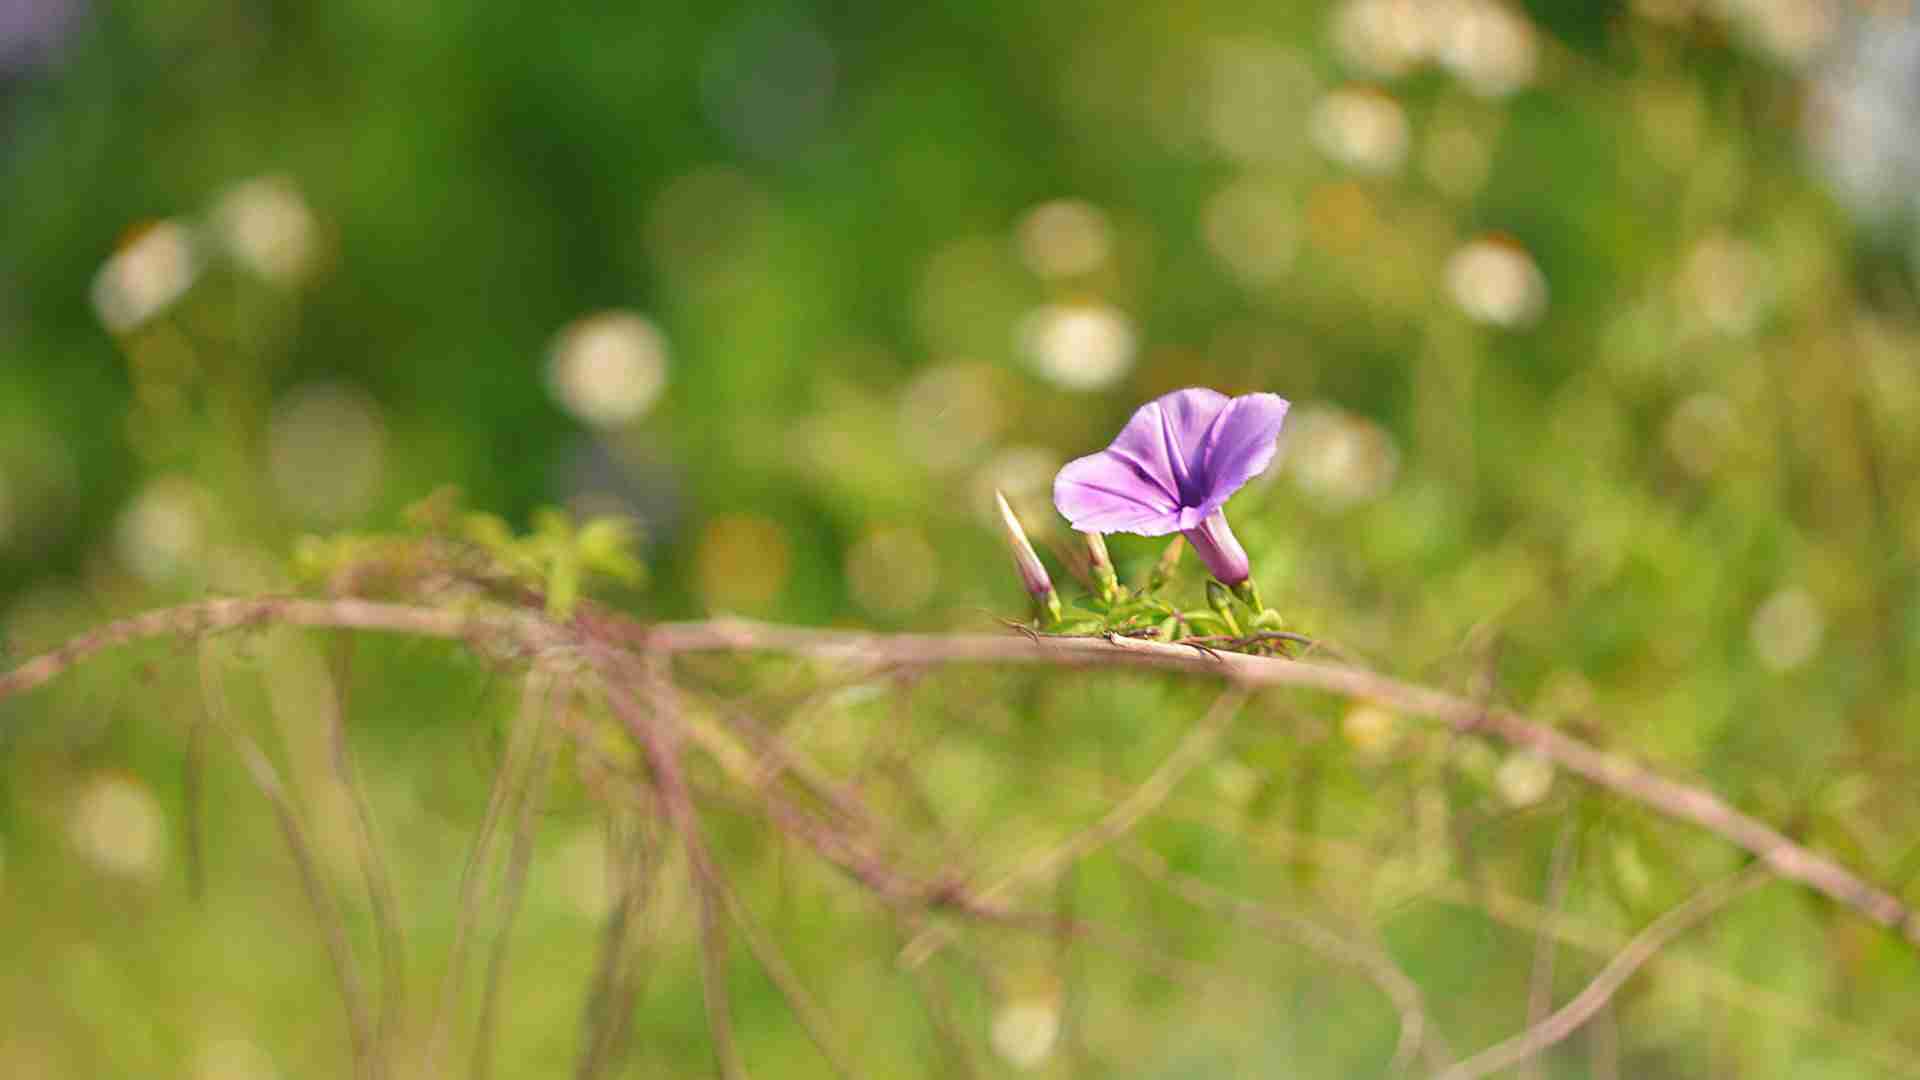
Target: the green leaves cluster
(557, 558)
(1234, 619)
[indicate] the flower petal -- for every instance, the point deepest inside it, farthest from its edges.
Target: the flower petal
(1108, 492)
(1165, 438)
(1239, 445)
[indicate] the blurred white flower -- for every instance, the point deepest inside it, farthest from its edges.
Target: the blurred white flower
(1338, 458)
(1794, 31)
(1024, 1032)
(608, 368)
(1250, 227)
(1489, 46)
(1064, 238)
(117, 825)
(1524, 778)
(153, 268)
(1361, 127)
(1384, 38)
(161, 533)
(1495, 281)
(1079, 346)
(1864, 108)
(266, 226)
(326, 451)
(1787, 629)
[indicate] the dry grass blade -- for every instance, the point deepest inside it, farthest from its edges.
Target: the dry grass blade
(373, 867)
(1644, 946)
(813, 1019)
(193, 799)
(1417, 1035)
(1540, 983)
(507, 782)
(933, 996)
(607, 1019)
(333, 927)
(658, 743)
(519, 857)
(520, 634)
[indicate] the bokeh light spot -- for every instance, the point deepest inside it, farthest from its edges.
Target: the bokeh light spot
(1079, 346)
(152, 268)
(1064, 238)
(1362, 128)
(609, 368)
(266, 225)
(117, 825)
(1495, 281)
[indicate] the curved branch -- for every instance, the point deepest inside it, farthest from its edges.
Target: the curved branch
(1644, 946)
(523, 633)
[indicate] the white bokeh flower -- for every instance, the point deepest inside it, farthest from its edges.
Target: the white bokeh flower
(1025, 1031)
(117, 825)
(609, 368)
(1079, 346)
(152, 269)
(1064, 238)
(1362, 128)
(1495, 281)
(266, 225)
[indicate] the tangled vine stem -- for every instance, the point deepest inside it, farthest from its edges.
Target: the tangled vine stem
(519, 633)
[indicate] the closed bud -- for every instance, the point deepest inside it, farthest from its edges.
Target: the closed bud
(1033, 576)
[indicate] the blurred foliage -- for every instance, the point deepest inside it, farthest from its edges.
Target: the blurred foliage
(1603, 406)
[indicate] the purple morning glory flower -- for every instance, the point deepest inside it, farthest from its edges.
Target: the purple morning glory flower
(1172, 468)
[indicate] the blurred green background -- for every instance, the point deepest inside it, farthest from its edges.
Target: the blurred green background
(1600, 325)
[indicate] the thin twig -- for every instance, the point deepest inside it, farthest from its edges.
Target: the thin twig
(522, 633)
(1416, 1027)
(1645, 945)
(332, 926)
(520, 741)
(373, 869)
(608, 1014)
(519, 857)
(1540, 984)
(658, 742)
(813, 1019)
(1116, 822)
